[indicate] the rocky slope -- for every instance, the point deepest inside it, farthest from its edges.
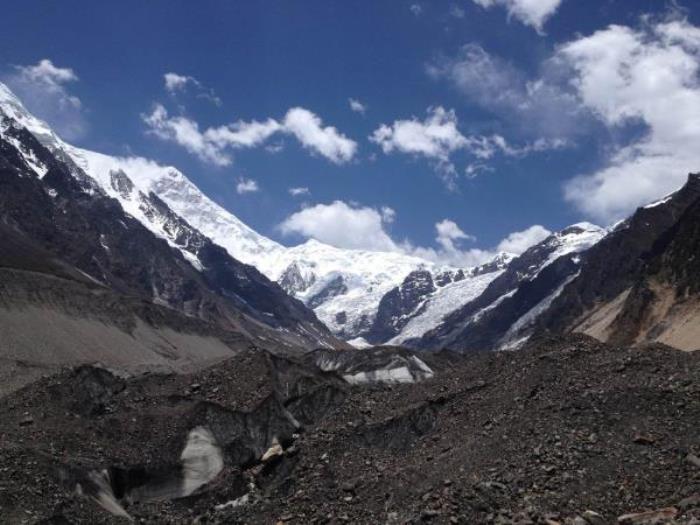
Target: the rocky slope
(504, 313)
(78, 271)
(640, 283)
(566, 431)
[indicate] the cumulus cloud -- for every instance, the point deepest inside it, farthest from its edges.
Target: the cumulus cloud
(357, 106)
(630, 78)
(176, 83)
(352, 226)
(214, 145)
(533, 13)
(246, 186)
(185, 133)
(46, 72)
(341, 224)
(448, 233)
(416, 9)
(437, 137)
(388, 214)
(299, 191)
(242, 134)
(43, 89)
(518, 242)
(326, 141)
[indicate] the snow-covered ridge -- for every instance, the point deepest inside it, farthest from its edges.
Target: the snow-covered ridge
(445, 301)
(576, 238)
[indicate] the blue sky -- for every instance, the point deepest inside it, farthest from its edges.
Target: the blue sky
(494, 115)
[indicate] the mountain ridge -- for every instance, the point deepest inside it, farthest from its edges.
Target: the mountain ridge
(143, 186)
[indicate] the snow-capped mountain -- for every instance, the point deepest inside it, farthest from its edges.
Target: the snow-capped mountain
(105, 228)
(448, 296)
(343, 287)
(364, 297)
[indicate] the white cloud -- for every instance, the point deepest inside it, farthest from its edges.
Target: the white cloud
(246, 186)
(299, 191)
(533, 107)
(448, 233)
(326, 141)
(45, 72)
(416, 9)
(214, 145)
(357, 106)
(436, 137)
(388, 214)
(530, 12)
(43, 89)
(518, 242)
(352, 226)
(645, 77)
(342, 225)
(242, 134)
(185, 133)
(175, 83)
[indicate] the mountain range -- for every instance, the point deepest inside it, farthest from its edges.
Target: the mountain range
(132, 227)
(160, 361)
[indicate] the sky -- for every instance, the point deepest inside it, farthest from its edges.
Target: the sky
(446, 129)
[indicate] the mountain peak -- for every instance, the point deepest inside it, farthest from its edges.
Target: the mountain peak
(11, 106)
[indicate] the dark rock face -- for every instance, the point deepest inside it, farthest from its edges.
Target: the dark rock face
(396, 307)
(79, 226)
(657, 245)
(292, 281)
(335, 287)
(403, 303)
(639, 283)
(492, 326)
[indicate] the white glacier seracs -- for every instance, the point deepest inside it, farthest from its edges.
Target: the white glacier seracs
(443, 302)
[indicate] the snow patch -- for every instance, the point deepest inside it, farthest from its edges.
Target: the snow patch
(444, 301)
